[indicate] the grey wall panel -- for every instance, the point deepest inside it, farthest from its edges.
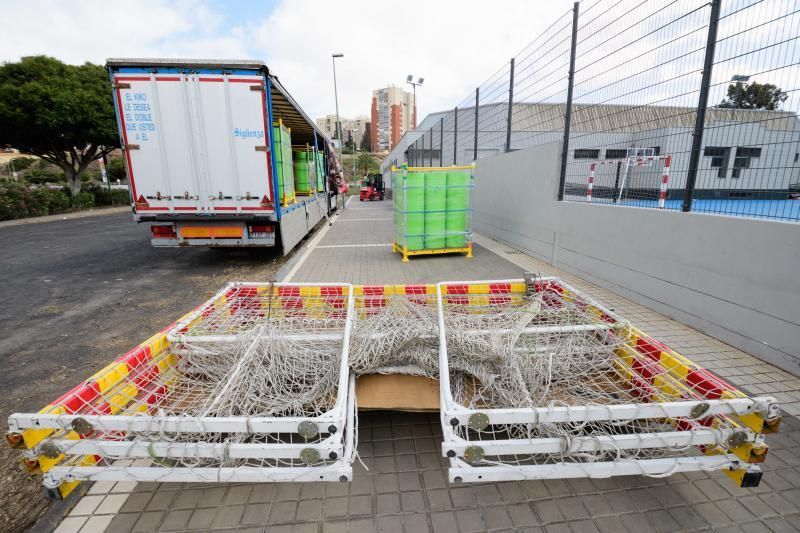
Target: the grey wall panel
(734, 278)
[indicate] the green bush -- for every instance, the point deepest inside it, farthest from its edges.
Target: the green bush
(40, 176)
(119, 197)
(38, 201)
(103, 196)
(21, 163)
(83, 200)
(56, 200)
(13, 201)
(116, 170)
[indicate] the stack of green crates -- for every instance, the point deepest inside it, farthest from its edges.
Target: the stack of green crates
(432, 208)
(304, 172)
(283, 161)
(320, 165)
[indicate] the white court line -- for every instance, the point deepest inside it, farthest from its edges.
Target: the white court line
(311, 245)
(353, 245)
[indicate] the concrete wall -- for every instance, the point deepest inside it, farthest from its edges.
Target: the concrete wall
(736, 279)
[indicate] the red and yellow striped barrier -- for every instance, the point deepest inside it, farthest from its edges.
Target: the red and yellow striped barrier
(137, 380)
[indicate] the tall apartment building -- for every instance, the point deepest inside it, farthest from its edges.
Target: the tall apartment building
(393, 113)
(356, 125)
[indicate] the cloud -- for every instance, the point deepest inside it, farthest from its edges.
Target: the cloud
(454, 45)
(94, 30)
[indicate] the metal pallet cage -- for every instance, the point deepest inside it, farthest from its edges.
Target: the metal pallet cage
(538, 381)
(253, 385)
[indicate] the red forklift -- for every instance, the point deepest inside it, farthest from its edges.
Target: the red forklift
(372, 188)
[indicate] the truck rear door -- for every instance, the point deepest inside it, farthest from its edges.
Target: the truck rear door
(195, 143)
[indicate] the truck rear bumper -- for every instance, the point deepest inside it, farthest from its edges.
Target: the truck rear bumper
(213, 234)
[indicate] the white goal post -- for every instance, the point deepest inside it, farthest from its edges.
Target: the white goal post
(633, 160)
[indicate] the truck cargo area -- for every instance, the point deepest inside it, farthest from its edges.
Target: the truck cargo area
(199, 142)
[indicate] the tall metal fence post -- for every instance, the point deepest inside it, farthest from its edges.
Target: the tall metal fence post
(568, 112)
(475, 145)
(510, 105)
(430, 147)
(455, 136)
(700, 119)
(441, 142)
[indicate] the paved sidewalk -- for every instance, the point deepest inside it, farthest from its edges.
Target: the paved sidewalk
(405, 488)
(99, 211)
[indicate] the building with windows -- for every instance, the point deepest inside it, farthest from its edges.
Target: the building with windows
(746, 153)
(393, 113)
(354, 127)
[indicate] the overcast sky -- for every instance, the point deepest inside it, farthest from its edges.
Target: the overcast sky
(454, 45)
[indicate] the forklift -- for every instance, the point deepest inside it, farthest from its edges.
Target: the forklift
(372, 188)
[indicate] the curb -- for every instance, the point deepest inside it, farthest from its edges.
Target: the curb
(65, 216)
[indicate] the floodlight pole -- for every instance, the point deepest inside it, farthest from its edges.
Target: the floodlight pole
(410, 81)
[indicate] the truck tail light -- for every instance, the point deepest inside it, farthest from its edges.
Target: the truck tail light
(260, 231)
(163, 232)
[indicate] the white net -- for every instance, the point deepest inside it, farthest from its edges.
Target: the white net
(395, 334)
(553, 349)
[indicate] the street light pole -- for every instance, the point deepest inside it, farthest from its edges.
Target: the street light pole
(336, 97)
(355, 151)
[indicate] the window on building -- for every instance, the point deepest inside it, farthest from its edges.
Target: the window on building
(743, 156)
(744, 151)
(715, 151)
(584, 153)
(615, 153)
(719, 158)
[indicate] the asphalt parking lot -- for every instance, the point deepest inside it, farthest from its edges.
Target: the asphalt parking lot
(78, 292)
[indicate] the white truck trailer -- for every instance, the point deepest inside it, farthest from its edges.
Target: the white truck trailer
(197, 138)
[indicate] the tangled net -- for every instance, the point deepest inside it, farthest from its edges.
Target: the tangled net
(395, 335)
(258, 358)
(525, 352)
(265, 372)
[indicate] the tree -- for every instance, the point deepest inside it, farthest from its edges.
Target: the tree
(62, 113)
(366, 141)
(366, 164)
(349, 142)
(754, 96)
(116, 170)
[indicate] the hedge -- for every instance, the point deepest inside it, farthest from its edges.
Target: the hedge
(18, 200)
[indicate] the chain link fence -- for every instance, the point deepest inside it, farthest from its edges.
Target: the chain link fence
(682, 104)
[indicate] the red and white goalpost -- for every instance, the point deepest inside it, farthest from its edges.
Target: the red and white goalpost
(633, 161)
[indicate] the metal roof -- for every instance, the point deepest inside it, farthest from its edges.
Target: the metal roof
(624, 118)
(186, 63)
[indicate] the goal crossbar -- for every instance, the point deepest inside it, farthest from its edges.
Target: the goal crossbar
(633, 161)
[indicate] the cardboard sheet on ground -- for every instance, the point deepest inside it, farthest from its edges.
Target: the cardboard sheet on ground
(398, 392)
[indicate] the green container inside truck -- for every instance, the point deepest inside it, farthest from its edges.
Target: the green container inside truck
(283, 162)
